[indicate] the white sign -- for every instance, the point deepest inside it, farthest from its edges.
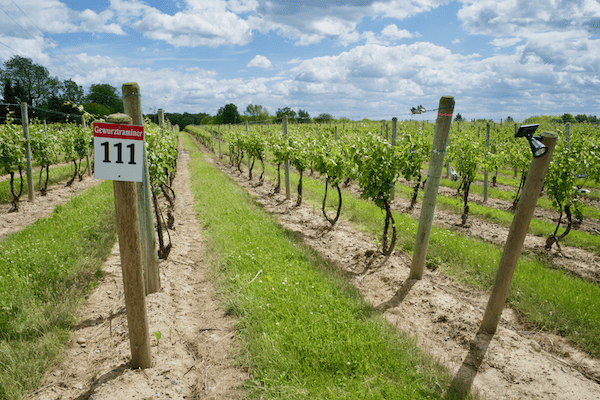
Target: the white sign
(118, 152)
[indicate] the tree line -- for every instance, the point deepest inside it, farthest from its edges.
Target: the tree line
(49, 98)
(229, 114)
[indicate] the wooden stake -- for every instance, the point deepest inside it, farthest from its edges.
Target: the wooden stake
(131, 266)
(132, 104)
(516, 235)
(436, 164)
(25, 122)
(485, 172)
(394, 136)
(288, 191)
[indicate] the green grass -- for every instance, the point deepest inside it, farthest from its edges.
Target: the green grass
(575, 238)
(547, 297)
(306, 332)
(57, 174)
(44, 271)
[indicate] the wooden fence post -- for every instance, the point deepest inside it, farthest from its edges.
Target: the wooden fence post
(219, 133)
(25, 123)
(161, 117)
(133, 280)
(516, 235)
(394, 137)
(485, 172)
(132, 104)
(288, 192)
(434, 175)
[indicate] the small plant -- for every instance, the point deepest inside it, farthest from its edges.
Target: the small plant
(157, 335)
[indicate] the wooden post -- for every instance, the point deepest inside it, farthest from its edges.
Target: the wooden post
(132, 104)
(131, 266)
(336, 133)
(25, 123)
(568, 136)
(288, 192)
(515, 169)
(516, 235)
(161, 117)
(219, 133)
(436, 164)
(394, 136)
(485, 172)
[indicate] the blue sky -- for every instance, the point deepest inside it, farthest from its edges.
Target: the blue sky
(356, 59)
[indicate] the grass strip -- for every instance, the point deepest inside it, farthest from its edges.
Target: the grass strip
(307, 333)
(549, 298)
(45, 269)
(57, 174)
(575, 238)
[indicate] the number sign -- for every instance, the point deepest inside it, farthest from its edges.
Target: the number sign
(118, 152)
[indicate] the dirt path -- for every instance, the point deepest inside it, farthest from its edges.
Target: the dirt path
(443, 315)
(195, 354)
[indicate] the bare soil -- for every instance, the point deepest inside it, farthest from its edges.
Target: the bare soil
(195, 355)
(443, 315)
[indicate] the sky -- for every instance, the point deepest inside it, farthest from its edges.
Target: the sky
(355, 59)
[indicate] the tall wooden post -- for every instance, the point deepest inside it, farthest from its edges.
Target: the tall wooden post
(434, 175)
(132, 104)
(161, 117)
(288, 191)
(219, 133)
(516, 235)
(131, 266)
(394, 136)
(25, 123)
(485, 172)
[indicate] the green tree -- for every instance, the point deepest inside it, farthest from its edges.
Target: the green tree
(303, 116)
(568, 118)
(458, 118)
(323, 118)
(581, 118)
(509, 120)
(291, 114)
(103, 99)
(228, 114)
(256, 112)
(35, 83)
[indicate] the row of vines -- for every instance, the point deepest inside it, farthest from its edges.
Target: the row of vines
(73, 143)
(375, 161)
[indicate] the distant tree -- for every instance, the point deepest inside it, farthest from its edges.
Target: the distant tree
(592, 119)
(256, 112)
(291, 114)
(227, 114)
(581, 118)
(458, 117)
(72, 91)
(509, 120)
(103, 94)
(323, 118)
(568, 118)
(303, 116)
(33, 83)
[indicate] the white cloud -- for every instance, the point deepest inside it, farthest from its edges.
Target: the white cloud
(392, 31)
(200, 24)
(505, 42)
(260, 62)
(53, 16)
